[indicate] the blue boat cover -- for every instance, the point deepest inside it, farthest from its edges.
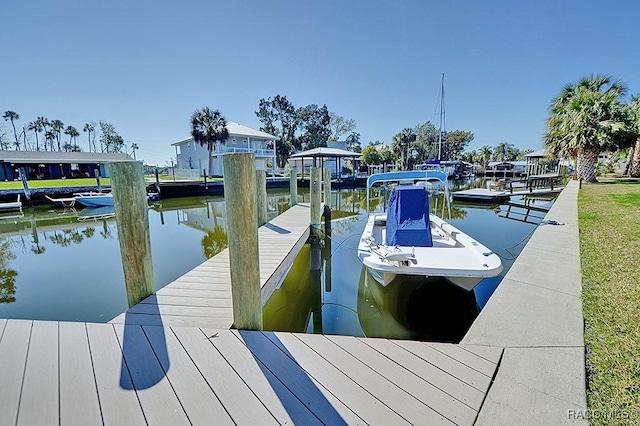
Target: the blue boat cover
(408, 217)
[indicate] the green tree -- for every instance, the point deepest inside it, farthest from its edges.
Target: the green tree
(340, 126)
(36, 127)
(57, 126)
(587, 118)
(402, 143)
(504, 152)
(90, 129)
(13, 116)
(371, 155)
(279, 118)
(207, 127)
(49, 137)
(353, 142)
(458, 141)
(633, 162)
(110, 140)
(73, 133)
(314, 122)
(426, 141)
(484, 153)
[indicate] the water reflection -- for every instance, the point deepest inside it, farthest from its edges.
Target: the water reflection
(7, 275)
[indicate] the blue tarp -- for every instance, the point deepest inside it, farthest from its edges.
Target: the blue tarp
(408, 217)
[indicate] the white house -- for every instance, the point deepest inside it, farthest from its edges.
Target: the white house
(192, 156)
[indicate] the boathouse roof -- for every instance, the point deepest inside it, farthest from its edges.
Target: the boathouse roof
(53, 157)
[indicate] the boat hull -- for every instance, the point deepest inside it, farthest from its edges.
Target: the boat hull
(454, 256)
(95, 200)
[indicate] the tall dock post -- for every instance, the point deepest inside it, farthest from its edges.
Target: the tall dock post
(316, 196)
(261, 196)
(132, 220)
(326, 185)
(293, 187)
(242, 230)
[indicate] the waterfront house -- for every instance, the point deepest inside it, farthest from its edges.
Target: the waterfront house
(56, 164)
(192, 158)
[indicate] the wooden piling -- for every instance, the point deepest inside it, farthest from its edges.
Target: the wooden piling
(293, 187)
(316, 196)
(326, 185)
(261, 196)
(130, 202)
(242, 230)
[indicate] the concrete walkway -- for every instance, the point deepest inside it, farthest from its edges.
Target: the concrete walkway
(536, 316)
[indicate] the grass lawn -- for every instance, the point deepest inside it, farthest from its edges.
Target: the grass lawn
(609, 220)
(55, 183)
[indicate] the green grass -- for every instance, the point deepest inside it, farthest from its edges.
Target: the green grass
(609, 218)
(54, 183)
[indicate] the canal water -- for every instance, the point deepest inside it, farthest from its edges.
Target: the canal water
(65, 265)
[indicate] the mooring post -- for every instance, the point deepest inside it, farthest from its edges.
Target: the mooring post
(261, 196)
(293, 187)
(326, 185)
(242, 230)
(130, 202)
(96, 173)
(316, 196)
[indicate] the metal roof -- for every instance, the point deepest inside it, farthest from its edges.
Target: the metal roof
(49, 157)
(235, 129)
(326, 152)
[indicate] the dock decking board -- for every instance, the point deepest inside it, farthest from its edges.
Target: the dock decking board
(173, 360)
(130, 374)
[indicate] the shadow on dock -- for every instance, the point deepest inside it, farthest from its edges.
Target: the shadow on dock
(290, 381)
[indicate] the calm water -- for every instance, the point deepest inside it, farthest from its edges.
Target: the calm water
(55, 266)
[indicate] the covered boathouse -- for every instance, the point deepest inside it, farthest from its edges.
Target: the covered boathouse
(56, 165)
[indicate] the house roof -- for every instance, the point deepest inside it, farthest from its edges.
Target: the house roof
(537, 154)
(49, 157)
(326, 152)
(236, 129)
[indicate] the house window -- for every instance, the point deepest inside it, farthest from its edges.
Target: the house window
(233, 141)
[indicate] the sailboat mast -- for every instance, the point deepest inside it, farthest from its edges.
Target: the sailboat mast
(442, 119)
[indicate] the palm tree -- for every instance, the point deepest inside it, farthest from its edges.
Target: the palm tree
(89, 128)
(207, 127)
(134, 148)
(72, 132)
(36, 126)
(485, 153)
(43, 123)
(402, 143)
(57, 126)
(49, 136)
(585, 119)
(633, 163)
(12, 116)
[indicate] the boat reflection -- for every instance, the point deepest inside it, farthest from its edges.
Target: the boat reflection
(414, 307)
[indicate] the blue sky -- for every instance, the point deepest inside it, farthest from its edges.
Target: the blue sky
(145, 65)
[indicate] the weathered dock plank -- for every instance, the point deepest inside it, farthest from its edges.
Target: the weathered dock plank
(196, 397)
(238, 399)
(352, 394)
(40, 398)
(79, 402)
(14, 346)
(265, 380)
(118, 401)
(157, 398)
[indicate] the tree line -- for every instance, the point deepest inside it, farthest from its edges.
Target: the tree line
(594, 116)
(43, 134)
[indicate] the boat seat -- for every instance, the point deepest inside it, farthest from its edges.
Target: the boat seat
(408, 217)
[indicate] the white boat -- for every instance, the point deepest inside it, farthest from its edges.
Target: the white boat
(94, 199)
(408, 240)
(11, 206)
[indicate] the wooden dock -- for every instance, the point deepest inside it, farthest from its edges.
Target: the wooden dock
(172, 359)
(202, 296)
